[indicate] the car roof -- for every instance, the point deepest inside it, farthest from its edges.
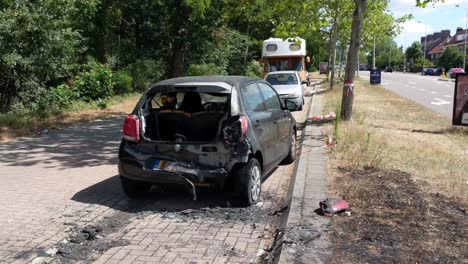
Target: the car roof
(218, 80)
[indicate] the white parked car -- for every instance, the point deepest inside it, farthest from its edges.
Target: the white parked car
(288, 85)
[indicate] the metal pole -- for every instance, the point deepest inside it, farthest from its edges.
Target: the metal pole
(425, 41)
(373, 56)
(464, 53)
(404, 55)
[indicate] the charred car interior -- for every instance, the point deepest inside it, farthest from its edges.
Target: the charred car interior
(184, 116)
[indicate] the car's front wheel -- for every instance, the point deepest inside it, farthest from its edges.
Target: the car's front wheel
(249, 176)
(134, 189)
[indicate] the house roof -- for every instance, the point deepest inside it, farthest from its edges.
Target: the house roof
(455, 40)
(440, 48)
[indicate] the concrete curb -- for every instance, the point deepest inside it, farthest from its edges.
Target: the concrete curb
(304, 240)
(446, 80)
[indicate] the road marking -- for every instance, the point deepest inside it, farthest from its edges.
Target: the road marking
(434, 92)
(448, 96)
(440, 102)
(412, 82)
(422, 89)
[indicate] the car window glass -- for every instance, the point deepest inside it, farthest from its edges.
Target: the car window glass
(282, 79)
(253, 100)
(272, 101)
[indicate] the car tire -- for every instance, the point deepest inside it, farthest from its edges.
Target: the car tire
(292, 154)
(249, 178)
(134, 189)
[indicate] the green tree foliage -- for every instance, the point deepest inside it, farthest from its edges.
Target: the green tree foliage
(414, 53)
(204, 69)
(47, 43)
(452, 57)
(96, 84)
(38, 48)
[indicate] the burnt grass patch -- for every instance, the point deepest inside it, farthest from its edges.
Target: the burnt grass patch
(393, 220)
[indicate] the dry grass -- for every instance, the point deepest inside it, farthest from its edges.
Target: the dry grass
(404, 171)
(391, 132)
(14, 126)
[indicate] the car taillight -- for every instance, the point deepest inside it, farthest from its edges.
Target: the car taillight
(131, 128)
(244, 124)
(235, 130)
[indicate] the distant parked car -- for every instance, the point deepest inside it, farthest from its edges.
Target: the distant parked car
(220, 131)
(429, 71)
(323, 67)
(454, 71)
(288, 85)
(388, 69)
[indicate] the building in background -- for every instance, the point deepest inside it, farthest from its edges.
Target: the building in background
(429, 42)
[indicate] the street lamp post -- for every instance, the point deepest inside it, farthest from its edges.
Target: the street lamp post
(424, 51)
(464, 37)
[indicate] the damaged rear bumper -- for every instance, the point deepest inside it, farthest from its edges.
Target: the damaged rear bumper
(177, 174)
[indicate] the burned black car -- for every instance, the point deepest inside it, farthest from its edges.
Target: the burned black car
(218, 131)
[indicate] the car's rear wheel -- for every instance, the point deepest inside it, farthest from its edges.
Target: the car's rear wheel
(134, 189)
(250, 184)
(292, 150)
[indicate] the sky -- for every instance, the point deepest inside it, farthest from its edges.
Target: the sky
(435, 18)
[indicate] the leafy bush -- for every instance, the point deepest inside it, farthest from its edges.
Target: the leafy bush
(204, 69)
(50, 101)
(95, 84)
(254, 69)
(122, 82)
(145, 73)
(102, 103)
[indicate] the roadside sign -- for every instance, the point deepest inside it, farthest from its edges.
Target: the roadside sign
(375, 76)
(460, 104)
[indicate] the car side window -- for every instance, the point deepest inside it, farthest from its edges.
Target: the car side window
(253, 100)
(272, 100)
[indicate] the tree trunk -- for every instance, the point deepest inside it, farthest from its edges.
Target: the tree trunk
(178, 54)
(355, 43)
(333, 39)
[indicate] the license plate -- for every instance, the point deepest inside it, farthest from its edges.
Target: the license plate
(164, 165)
(161, 164)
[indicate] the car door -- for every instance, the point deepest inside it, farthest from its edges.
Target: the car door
(261, 121)
(280, 120)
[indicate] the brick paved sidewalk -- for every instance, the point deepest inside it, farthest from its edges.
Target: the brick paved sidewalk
(305, 240)
(67, 179)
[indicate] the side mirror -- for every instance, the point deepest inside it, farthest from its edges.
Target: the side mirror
(290, 105)
(304, 82)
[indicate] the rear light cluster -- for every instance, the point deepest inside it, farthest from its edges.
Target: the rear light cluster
(131, 128)
(234, 131)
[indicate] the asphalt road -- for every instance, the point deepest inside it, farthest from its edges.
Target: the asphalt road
(425, 90)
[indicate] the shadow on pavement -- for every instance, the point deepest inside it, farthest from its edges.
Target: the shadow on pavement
(87, 144)
(171, 199)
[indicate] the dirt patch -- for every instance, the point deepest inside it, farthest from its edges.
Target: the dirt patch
(394, 221)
